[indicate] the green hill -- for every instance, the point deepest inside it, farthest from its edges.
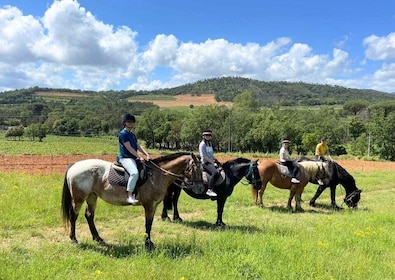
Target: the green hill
(225, 89)
(281, 93)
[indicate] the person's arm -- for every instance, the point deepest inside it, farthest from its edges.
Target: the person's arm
(282, 155)
(130, 149)
(317, 150)
(142, 150)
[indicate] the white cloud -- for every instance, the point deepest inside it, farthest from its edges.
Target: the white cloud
(380, 48)
(69, 47)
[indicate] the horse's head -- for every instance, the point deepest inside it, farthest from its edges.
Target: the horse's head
(253, 175)
(193, 172)
(352, 199)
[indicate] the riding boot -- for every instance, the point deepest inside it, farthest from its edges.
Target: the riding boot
(211, 184)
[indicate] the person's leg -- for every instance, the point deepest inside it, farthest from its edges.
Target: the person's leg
(131, 167)
(210, 168)
(295, 172)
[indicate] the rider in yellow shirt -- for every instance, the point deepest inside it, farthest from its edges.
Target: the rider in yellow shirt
(321, 150)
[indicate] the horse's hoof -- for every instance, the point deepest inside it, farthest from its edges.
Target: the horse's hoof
(220, 225)
(100, 242)
(149, 246)
(177, 220)
(337, 208)
(312, 204)
(300, 210)
(74, 242)
(166, 219)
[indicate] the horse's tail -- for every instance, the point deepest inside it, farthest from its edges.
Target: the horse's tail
(66, 201)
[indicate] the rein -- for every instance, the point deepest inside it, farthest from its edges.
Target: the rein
(166, 171)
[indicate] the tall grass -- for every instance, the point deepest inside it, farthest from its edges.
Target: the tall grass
(259, 243)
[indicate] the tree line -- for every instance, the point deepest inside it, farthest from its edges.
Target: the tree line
(359, 127)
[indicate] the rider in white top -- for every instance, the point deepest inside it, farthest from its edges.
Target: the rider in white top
(285, 159)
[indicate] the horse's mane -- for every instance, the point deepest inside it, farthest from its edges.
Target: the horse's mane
(237, 161)
(170, 157)
(345, 178)
(304, 158)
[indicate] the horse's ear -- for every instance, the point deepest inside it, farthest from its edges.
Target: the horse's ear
(193, 157)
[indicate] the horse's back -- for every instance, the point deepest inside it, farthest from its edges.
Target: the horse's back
(88, 171)
(317, 169)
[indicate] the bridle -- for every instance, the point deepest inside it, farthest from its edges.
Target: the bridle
(253, 166)
(193, 167)
(349, 199)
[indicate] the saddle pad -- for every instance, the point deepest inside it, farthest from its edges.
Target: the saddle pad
(117, 177)
(285, 171)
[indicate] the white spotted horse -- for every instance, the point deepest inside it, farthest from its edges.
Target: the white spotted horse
(88, 179)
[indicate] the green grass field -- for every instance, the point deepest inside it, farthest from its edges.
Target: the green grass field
(259, 243)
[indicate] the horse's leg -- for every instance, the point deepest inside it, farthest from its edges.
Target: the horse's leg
(167, 202)
(176, 196)
(319, 191)
(298, 200)
(73, 219)
(291, 196)
(258, 194)
(149, 218)
(333, 197)
(90, 216)
(220, 209)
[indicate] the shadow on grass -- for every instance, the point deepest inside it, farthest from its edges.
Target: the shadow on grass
(203, 225)
(172, 251)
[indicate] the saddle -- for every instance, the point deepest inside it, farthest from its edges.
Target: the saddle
(118, 176)
(285, 170)
(206, 177)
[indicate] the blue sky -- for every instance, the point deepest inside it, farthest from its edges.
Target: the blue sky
(143, 45)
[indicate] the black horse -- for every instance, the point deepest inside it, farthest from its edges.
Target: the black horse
(330, 173)
(234, 170)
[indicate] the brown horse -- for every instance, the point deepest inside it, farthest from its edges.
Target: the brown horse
(270, 171)
(87, 180)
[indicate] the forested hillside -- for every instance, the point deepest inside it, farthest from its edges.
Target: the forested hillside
(277, 93)
(356, 122)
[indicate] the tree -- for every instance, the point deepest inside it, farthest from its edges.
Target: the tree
(36, 131)
(355, 106)
(15, 131)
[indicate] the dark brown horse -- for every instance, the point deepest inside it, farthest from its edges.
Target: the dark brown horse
(270, 171)
(233, 171)
(330, 173)
(87, 180)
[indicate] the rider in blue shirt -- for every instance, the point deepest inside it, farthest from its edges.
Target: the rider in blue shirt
(128, 153)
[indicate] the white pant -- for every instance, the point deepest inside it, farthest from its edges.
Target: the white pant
(131, 167)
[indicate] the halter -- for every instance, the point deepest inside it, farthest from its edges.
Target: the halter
(251, 173)
(348, 200)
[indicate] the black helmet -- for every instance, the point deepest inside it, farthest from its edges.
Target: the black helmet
(128, 117)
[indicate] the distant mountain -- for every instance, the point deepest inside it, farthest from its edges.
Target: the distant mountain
(280, 93)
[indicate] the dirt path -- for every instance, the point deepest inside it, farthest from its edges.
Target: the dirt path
(58, 164)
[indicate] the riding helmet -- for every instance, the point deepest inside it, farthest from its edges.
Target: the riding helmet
(286, 141)
(128, 117)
